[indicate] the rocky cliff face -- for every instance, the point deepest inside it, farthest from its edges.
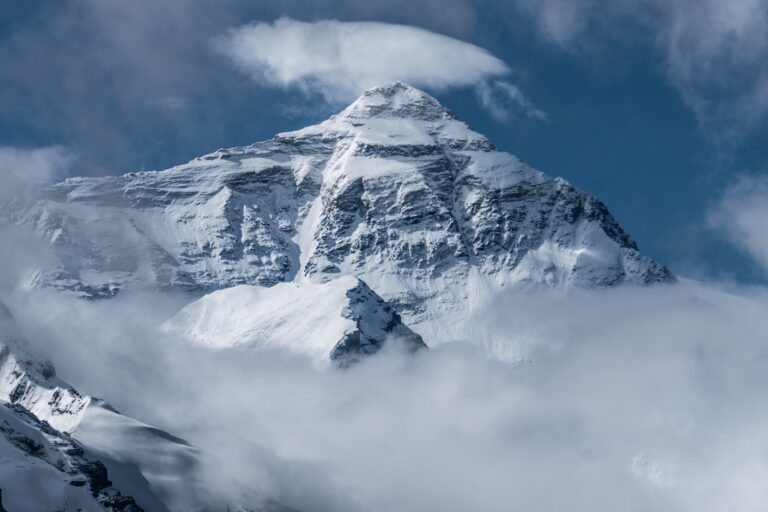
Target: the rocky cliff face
(394, 190)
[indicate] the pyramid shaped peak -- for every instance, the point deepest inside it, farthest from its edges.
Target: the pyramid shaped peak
(397, 100)
(391, 89)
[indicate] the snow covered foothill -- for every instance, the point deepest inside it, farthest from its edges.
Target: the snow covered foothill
(63, 450)
(32, 383)
(338, 321)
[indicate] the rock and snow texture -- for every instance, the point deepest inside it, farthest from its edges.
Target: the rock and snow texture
(42, 465)
(42, 468)
(339, 321)
(393, 190)
(62, 450)
(34, 385)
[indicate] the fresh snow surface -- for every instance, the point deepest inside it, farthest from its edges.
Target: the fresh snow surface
(334, 321)
(154, 467)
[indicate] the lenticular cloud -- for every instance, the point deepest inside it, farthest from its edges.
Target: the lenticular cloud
(339, 59)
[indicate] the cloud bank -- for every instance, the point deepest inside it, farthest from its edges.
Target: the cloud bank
(626, 399)
(339, 60)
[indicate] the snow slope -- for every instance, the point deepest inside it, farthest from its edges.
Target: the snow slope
(337, 321)
(43, 469)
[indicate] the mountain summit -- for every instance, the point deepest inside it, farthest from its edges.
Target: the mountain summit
(394, 190)
(397, 100)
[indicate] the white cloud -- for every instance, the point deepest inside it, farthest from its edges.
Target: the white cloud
(713, 51)
(559, 20)
(23, 171)
(647, 398)
(33, 166)
(339, 60)
(502, 99)
(742, 216)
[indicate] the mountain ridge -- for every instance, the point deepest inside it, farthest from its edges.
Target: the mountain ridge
(394, 190)
(65, 450)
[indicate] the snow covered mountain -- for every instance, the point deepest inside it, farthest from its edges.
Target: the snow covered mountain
(43, 467)
(62, 450)
(316, 241)
(338, 321)
(393, 190)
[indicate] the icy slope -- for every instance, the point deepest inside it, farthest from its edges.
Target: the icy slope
(338, 321)
(394, 190)
(44, 469)
(52, 470)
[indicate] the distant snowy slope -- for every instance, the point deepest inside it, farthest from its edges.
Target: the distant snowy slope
(40, 468)
(33, 384)
(394, 190)
(62, 450)
(338, 321)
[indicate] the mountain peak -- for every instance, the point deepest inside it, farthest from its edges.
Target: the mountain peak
(395, 191)
(397, 100)
(393, 88)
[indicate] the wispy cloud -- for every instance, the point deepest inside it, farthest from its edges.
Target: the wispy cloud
(339, 60)
(713, 52)
(22, 170)
(503, 100)
(741, 216)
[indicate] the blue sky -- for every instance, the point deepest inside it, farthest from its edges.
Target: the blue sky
(656, 107)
